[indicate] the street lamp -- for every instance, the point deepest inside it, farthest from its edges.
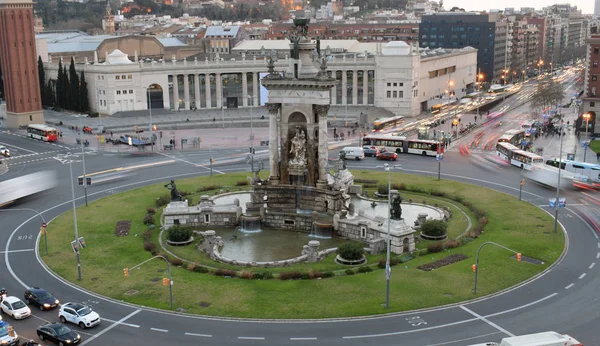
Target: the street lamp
(558, 183)
(151, 127)
(83, 159)
(75, 217)
(251, 135)
(586, 116)
(480, 85)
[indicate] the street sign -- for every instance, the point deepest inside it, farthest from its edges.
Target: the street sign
(439, 157)
(562, 202)
(552, 202)
(75, 246)
(388, 271)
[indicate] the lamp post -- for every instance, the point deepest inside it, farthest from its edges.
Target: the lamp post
(151, 128)
(75, 218)
(127, 270)
(586, 116)
(83, 161)
(558, 183)
(518, 255)
(40, 215)
(480, 85)
(251, 136)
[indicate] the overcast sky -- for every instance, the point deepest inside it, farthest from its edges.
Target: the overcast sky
(586, 6)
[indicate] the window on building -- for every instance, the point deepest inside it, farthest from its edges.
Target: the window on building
(123, 77)
(594, 77)
(103, 92)
(102, 77)
(118, 92)
(395, 94)
(596, 50)
(400, 94)
(595, 63)
(401, 84)
(117, 77)
(129, 76)
(389, 94)
(593, 91)
(98, 77)
(389, 84)
(395, 84)
(130, 91)
(592, 104)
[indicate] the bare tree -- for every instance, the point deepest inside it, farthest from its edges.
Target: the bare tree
(548, 93)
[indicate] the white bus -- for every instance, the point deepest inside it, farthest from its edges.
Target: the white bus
(518, 157)
(400, 144)
(589, 172)
(514, 137)
(505, 150)
(42, 132)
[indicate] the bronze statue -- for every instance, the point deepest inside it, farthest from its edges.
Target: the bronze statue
(175, 195)
(396, 208)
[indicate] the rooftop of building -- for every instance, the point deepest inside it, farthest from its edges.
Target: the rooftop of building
(222, 31)
(336, 46)
(81, 42)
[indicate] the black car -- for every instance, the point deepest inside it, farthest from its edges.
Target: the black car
(58, 333)
(41, 298)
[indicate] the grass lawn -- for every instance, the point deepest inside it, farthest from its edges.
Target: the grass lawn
(595, 145)
(512, 223)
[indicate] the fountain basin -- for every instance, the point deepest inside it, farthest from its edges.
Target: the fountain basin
(342, 261)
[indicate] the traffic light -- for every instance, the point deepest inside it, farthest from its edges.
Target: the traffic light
(166, 282)
(474, 268)
(126, 272)
(519, 257)
(88, 181)
(43, 228)
(80, 180)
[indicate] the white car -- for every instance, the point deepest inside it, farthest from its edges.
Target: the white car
(79, 314)
(4, 151)
(15, 307)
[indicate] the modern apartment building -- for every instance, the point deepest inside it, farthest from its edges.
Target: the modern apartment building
(591, 91)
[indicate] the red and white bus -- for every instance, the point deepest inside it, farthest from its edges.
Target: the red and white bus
(400, 144)
(514, 137)
(42, 132)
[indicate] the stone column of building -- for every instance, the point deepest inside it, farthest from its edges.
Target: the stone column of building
(19, 63)
(244, 89)
(321, 111)
(344, 87)
(254, 89)
(219, 90)
(365, 87)
(207, 88)
(273, 109)
(354, 87)
(175, 92)
(334, 94)
(186, 91)
(197, 103)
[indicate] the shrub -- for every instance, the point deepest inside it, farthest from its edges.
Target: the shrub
(382, 189)
(406, 258)
(207, 188)
(364, 269)
(369, 186)
(184, 193)
(313, 274)
(349, 272)
(483, 221)
(466, 240)
(191, 266)
(201, 269)
(179, 233)
(264, 275)
(442, 262)
(423, 252)
(241, 183)
(151, 210)
(435, 247)
(451, 244)
(293, 275)
(399, 187)
(246, 275)
(147, 234)
(479, 213)
(434, 228)
(176, 261)
(148, 219)
(351, 251)
(457, 198)
(305, 276)
(437, 193)
(381, 263)
(149, 246)
(225, 272)
(328, 274)
(163, 200)
(394, 261)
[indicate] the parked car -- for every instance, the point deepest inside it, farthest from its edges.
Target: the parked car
(371, 151)
(41, 298)
(388, 155)
(58, 333)
(78, 314)
(15, 308)
(4, 151)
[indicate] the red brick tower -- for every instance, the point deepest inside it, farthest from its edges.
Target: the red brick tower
(19, 63)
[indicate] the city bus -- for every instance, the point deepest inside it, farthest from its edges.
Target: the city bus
(514, 137)
(589, 172)
(42, 132)
(504, 150)
(400, 144)
(517, 157)
(387, 123)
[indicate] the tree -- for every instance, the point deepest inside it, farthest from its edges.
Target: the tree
(547, 94)
(84, 101)
(42, 80)
(60, 92)
(73, 87)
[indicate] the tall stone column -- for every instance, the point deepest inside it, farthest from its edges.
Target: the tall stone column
(254, 89)
(186, 91)
(207, 88)
(274, 118)
(244, 89)
(365, 87)
(344, 87)
(321, 111)
(334, 94)
(176, 92)
(218, 90)
(354, 87)
(197, 103)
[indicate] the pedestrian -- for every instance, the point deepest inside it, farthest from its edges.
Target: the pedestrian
(598, 156)
(111, 134)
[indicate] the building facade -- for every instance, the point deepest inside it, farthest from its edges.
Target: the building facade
(485, 32)
(394, 76)
(591, 91)
(19, 63)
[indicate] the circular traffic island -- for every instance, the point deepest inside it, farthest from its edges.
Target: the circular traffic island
(118, 235)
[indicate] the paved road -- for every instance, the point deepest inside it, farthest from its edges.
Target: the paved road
(559, 300)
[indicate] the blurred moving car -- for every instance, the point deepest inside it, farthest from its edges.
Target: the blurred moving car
(58, 333)
(8, 336)
(15, 308)
(41, 298)
(78, 314)
(87, 129)
(371, 151)
(4, 151)
(388, 155)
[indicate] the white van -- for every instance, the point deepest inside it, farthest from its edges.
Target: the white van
(538, 339)
(356, 153)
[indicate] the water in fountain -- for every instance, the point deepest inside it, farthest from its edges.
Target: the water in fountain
(321, 230)
(250, 224)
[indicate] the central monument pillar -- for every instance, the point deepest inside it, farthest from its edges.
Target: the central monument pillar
(321, 112)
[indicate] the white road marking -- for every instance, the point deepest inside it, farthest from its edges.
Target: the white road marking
(123, 324)
(569, 286)
(160, 330)
(598, 255)
(251, 338)
(598, 245)
(466, 339)
(191, 163)
(486, 320)
(11, 251)
(202, 335)
(302, 339)
(27, 150)
(592, 265)
(110, 327)
(582, 276)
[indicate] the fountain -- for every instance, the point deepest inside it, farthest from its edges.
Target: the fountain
(321, 230)
(250, 224)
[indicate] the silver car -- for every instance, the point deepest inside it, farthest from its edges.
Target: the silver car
(4, 151)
